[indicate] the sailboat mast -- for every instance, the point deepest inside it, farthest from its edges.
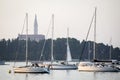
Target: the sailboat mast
(67, 36)
(26, 39)
(94, 46)
(67, 45)
(89, 51)
(52, 38)
(110, 48)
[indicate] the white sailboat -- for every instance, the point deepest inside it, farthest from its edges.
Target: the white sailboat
(33, 68)
(63, 65)
(96, 66)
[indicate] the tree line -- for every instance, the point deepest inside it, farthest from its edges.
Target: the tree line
(14, 49)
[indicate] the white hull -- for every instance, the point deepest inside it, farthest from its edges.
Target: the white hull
(91, 67)
(63, 67)
(30, 69)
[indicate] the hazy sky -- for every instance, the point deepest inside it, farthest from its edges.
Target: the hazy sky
(75, 14)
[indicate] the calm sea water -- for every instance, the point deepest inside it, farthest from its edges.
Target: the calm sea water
(56, 74)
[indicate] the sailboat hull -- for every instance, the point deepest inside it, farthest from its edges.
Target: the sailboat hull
(91, 67)
(28, 69)
(63, 67)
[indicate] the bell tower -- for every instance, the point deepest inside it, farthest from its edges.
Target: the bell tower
(35, 26)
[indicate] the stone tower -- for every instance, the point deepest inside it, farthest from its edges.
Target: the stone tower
(35, 26)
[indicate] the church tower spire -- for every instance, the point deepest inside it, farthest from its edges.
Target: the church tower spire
(35, 26)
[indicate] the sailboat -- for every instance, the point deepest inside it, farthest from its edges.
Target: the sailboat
(62, 65)
(95, 65)
(33, 68)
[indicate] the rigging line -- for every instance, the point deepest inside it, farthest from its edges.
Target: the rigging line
(45, 41)
(84, 45)
(19, 42)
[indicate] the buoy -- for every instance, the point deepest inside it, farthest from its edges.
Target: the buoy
(9, 71)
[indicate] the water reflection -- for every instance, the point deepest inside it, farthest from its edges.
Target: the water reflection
(26, 76)
(94, 75)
